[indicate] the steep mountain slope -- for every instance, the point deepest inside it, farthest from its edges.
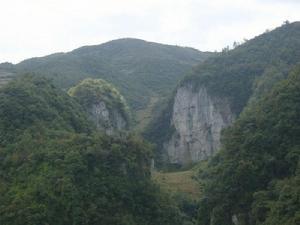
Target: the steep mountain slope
(56, 169)
(255, 178)
(139, 69)
(213, 95)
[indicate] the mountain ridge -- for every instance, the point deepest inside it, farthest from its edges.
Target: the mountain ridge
(234, 78)
(138, 68)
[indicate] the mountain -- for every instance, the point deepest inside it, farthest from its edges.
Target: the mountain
(213, 95)
(56, 168)
(255, 178)
(140, 70)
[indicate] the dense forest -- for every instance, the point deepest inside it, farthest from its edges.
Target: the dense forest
(251, 69)
(139, 69)
(255, 178)
(241, 75)
(57, 167)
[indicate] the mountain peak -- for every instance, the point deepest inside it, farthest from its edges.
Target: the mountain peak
(138, 68)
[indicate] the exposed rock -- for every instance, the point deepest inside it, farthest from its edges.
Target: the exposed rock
(104, 104)
(197, 119)
(235, 220)
(110, 121)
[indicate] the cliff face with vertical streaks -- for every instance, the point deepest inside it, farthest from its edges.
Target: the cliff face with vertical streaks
(197, 121)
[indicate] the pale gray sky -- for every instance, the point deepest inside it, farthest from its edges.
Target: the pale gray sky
(39, 27)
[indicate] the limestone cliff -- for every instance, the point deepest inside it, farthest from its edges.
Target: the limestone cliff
(105, 106)
(197, 120)
(105, 119)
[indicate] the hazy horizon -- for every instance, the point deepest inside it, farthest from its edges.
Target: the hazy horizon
(37, 28)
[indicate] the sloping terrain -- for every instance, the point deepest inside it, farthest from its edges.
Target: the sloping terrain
(255, 178)
(139, 69)
(57, 169)
(209, 99)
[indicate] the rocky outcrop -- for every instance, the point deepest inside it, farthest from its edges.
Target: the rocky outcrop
(197, 121)
(108, 120)
(105, 106)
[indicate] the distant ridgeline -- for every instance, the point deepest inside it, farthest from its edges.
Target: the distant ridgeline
(105, 106)
(56, 168)
(139, 69)
(214, 94)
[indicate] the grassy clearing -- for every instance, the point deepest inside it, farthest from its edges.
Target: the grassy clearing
(179, 182)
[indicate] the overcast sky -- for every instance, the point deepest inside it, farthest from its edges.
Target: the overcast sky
(39, 27)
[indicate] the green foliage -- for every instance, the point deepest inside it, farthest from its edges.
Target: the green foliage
(6, 73)
(160, 129)
(256, 174)
(93, 91)
(139, 69)
(56, 169)
(234, 73)
(188, 208)
(30, 100)
(184, 191)
(247, 72)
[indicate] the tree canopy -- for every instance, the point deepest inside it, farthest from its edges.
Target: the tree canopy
(256, 174)
(55, 168)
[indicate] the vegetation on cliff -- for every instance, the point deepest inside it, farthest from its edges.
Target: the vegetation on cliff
(241, 75)
(56, 169)
(256, 174)
(251, 68)
(139, 69)
(93, 91)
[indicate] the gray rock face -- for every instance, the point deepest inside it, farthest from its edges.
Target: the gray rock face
(111, 121)
(235, 220)
(198, 119)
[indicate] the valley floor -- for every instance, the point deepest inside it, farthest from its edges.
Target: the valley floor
(183, 182)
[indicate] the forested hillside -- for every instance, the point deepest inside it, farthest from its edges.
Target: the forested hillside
(226, 84)
(57, 169)
(252, 68)
(255, 178)
(7, 73)
(68, 156)
(139, 69)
